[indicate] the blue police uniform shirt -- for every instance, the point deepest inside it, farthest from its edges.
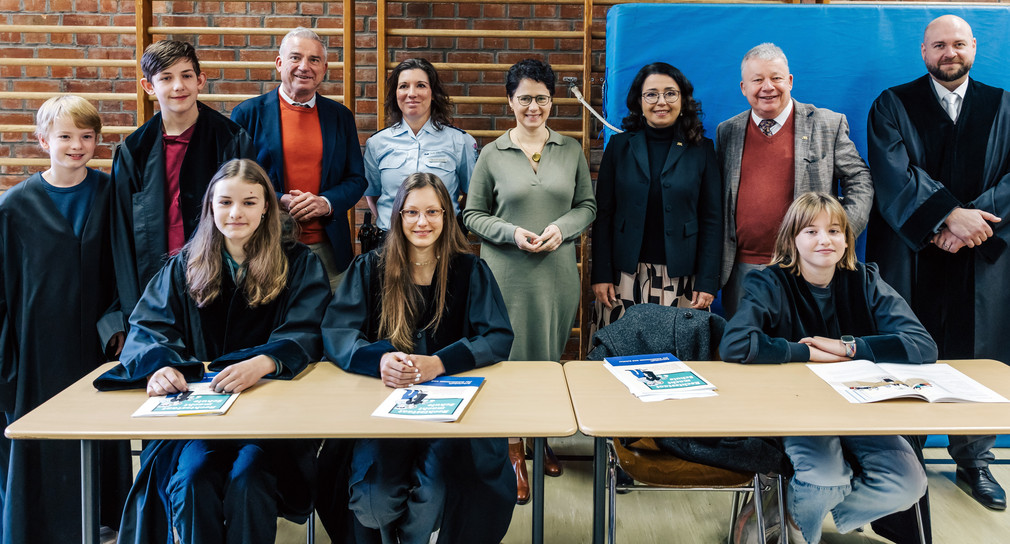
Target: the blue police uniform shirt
(396, 152)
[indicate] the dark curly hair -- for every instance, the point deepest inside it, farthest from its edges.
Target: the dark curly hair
(441, 105)
(690, 109)
(532, 69)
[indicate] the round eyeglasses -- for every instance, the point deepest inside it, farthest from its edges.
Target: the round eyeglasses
(542, 99)
(411, 216)
(653, 96)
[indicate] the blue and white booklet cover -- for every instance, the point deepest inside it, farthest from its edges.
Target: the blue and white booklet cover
(199, 400)
(442, 399)
(658, 376)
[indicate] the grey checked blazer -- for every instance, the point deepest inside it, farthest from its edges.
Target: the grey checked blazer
(824, 154)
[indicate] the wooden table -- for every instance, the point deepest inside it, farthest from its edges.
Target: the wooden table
(767, 400)
(322, 402)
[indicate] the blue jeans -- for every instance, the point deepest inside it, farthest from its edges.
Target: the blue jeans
(224, 491)
(397, 486)
(891, 480)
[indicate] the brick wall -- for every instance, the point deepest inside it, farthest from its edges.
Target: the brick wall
(90, 45)
(85, 45)
(81, 13)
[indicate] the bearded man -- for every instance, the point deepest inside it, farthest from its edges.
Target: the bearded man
(939, 154)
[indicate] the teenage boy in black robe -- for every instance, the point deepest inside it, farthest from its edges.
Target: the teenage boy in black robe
(56, 289)
(162, 170)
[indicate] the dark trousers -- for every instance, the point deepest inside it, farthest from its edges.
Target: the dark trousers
(397, 486)
(224, 491)
(971, 451)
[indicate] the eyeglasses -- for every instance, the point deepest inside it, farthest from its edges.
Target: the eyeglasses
(411, 216)
(542, 99)
(670, 96)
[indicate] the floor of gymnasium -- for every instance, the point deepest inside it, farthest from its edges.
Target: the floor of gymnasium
(700, 517)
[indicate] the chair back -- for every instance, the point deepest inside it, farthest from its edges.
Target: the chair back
(644, 461)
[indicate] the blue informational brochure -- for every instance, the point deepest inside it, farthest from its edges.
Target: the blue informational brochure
(199, 400)
(658, 376)
(441, 399)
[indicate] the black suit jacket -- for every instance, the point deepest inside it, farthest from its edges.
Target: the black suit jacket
(692, 210)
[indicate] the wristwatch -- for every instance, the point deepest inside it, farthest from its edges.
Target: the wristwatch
(849, 342)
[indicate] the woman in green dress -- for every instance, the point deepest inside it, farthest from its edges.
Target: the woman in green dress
(530, 198)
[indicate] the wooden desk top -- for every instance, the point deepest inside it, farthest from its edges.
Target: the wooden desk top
(777, 400)
(517, 399)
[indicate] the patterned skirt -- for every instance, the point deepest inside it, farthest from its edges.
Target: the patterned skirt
(649, 284)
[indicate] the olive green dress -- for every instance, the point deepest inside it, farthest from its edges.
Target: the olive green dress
(541, 290)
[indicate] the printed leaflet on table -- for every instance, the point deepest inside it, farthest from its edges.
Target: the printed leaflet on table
(442, 399)
(200, 400)
(863, 381)
(658, 376)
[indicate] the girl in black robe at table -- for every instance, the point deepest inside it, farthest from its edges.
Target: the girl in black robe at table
(247, 299)
(421, 308)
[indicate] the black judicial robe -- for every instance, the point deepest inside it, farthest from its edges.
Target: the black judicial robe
(475, 331)
(57, 291)
(167, 328)
(138, 210)
(909, 139)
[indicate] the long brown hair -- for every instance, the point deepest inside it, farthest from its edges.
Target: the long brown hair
(800, 214)
(264, 273)
(402, 304)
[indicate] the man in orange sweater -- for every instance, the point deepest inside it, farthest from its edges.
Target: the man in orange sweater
(309, 146)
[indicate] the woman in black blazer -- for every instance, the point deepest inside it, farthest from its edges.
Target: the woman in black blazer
(658, 232)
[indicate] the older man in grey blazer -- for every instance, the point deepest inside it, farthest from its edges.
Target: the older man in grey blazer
(772, 153)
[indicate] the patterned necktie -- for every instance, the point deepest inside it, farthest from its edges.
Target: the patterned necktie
(950, 104)
(766, 126)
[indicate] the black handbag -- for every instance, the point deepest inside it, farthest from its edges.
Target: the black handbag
(369, 235)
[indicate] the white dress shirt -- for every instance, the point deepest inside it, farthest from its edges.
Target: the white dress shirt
(957, 95)
(780, 119)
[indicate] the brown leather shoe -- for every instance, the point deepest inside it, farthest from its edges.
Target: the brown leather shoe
(552, 466)
(517, 456)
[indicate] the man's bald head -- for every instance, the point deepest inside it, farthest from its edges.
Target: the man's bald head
(946, 22)
(948, 49)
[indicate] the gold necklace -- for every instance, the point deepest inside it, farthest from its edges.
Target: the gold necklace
(425, 263)
(535, 157)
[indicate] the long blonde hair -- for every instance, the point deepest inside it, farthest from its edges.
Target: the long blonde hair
(264, 273)
(800, 214)
(402, 304)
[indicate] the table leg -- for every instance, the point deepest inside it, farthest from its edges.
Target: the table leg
(89, 492)
(538, 490)
(599, 487)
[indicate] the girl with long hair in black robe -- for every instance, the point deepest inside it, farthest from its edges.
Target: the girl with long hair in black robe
(245, 298)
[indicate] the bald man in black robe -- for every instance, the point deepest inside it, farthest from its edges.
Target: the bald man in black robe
(939, 153)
